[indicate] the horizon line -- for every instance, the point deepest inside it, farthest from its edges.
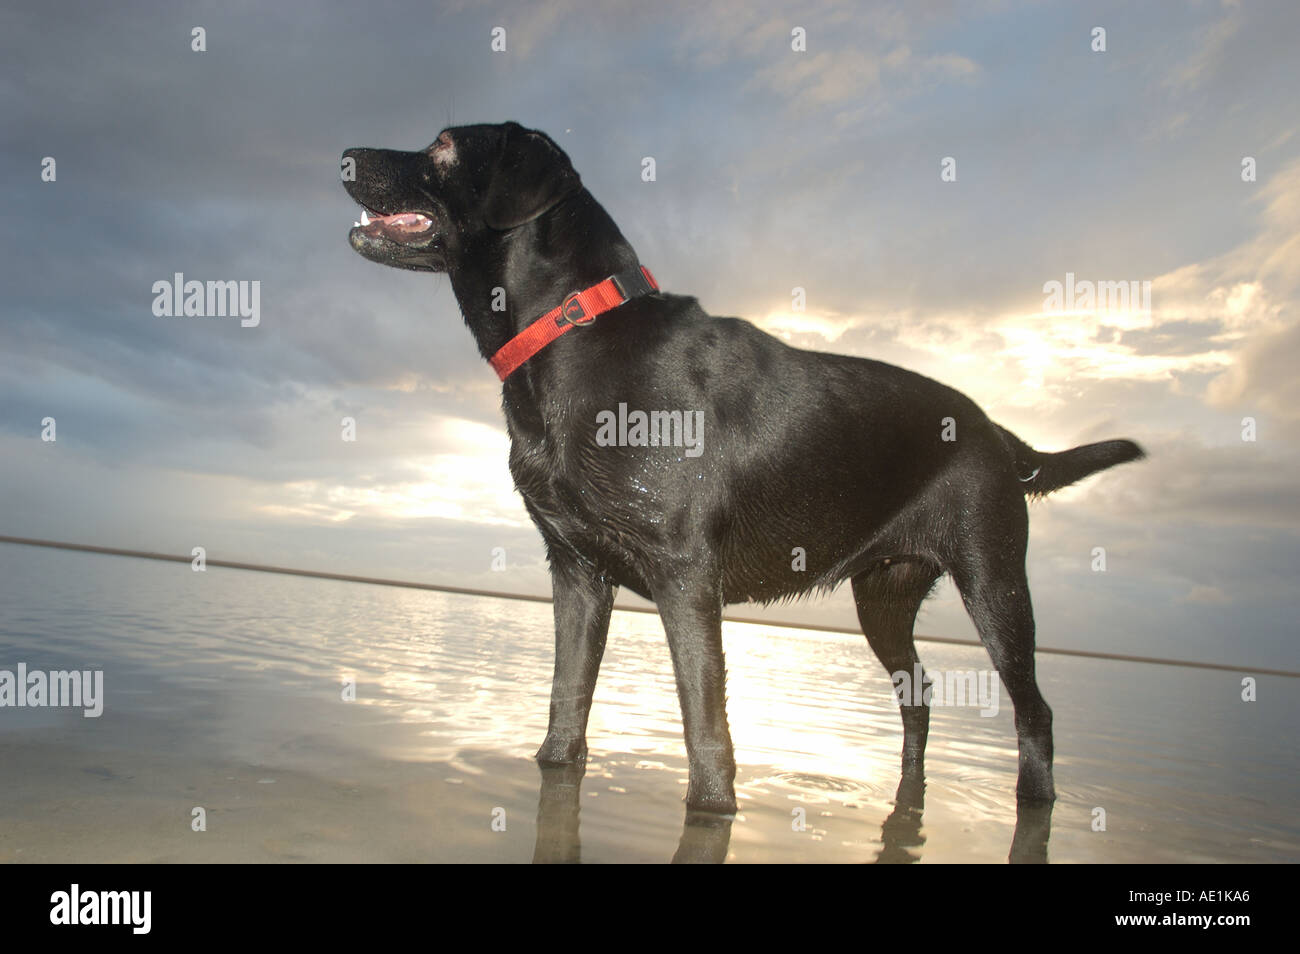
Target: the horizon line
(528, 597)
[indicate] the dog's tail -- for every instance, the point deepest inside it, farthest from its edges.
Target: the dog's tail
(1041, 473)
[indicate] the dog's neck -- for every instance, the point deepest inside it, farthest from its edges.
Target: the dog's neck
(525, 272)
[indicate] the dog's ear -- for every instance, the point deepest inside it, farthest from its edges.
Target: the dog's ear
(532, 175)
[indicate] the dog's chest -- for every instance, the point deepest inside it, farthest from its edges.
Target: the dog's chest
(577, 497)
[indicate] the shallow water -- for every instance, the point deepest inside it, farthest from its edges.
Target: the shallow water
(223, 691)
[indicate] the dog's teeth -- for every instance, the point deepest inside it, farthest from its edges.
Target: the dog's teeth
(365, 219)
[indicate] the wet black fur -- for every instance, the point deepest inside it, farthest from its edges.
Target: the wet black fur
(843, 457)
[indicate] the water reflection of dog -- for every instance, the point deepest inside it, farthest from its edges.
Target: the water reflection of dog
(901, 831)
(706, 836)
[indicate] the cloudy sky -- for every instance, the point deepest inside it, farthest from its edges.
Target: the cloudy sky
(776, 169)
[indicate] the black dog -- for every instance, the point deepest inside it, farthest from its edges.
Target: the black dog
(881, 476)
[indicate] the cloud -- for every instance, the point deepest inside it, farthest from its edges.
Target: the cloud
(1230, 320)
(1263, 382)
(1210, 47)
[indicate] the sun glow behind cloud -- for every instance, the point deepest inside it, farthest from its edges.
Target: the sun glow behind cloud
(787, 325)
(1074, 346)
(468, 481)
(1042, 358)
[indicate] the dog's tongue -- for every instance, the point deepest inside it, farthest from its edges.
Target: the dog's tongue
(403, 221)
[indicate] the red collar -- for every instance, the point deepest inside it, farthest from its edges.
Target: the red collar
(579, 308)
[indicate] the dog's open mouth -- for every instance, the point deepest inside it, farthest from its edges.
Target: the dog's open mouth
(404, 228)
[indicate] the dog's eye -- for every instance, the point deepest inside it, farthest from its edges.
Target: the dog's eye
(443, 154)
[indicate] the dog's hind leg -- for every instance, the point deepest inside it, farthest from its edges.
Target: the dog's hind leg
(583, 601)
(990, 575)
(888, 596)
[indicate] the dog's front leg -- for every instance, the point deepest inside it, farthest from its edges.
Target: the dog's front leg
(583, 600)
(691, 608)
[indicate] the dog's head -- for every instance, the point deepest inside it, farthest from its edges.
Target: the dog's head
(422, 209)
